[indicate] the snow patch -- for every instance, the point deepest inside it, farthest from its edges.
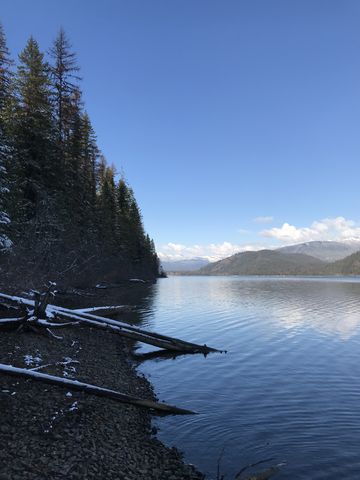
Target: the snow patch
(74, 406)
(33, 360)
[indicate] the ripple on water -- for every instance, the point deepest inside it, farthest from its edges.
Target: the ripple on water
(289, 387)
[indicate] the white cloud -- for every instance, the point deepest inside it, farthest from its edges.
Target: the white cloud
(212, 251)
(265, 219)
(339, 229)
(336, 229)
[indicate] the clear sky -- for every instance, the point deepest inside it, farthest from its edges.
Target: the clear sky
(235, 121)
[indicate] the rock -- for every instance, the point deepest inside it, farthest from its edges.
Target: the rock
(114, 441)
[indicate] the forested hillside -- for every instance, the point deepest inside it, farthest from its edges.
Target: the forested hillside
(62, 212)
(265, 262)
(346, 266)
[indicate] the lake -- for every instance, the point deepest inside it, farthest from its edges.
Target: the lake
(289, 386)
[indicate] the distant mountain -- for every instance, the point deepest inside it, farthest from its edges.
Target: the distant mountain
(327, 251)
(186, 265)
(310, 258)
(265, 262)
(347, 266)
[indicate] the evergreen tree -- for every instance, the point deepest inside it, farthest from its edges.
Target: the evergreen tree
(37, 170)
(154, 259)
(67, 105)
(89, 156)
(71, 153)
(123, 197)
(63, 201)
(80, 173)
(5, 242)
(100, 171)
(64, 82)
(5, 70)
(5, 154)
(136, 231)
(107, 210)
(5, 148)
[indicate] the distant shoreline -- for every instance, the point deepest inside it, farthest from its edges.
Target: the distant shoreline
(280, 275)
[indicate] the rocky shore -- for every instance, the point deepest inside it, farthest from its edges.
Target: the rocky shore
(49, 433)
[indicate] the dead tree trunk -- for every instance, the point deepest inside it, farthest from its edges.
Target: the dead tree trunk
(122, 328)
(92, 389)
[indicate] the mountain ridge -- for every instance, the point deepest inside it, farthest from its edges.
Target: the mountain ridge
(264, 262)
(307, 258)
(329, 251)
(184, 265)
(291, 261)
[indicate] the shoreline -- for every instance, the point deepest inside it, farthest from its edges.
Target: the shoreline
(51, 433)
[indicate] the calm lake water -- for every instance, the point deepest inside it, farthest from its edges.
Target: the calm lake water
(289, 386)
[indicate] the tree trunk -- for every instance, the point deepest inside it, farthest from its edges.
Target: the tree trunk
(92, 389)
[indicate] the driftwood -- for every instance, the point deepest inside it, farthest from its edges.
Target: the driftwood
(156, 339)
(40, 316)
(135, 333)
(92, 389)
(122, 328)
(105, 311)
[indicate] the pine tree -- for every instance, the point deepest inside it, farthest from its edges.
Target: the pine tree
(123, 198)
(80, 172)
(37, 169)
(89, 156)
(5, 70)
(123, 229)
(63, 201)
(107, 211)
(136, 231)
(5, 242)
(154, 259)
(64, 80)
(131, 235)
(71, 153)
(67, 106)
(5, 153)
(100, 171)
(5, 148)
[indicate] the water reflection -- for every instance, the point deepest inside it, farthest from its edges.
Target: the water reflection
(289, 386)
(331, 306)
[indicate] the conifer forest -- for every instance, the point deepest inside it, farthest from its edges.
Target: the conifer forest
(64, 210)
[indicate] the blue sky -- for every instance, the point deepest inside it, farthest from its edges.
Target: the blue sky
(220, 112)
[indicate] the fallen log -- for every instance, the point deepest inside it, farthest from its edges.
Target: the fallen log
(9, 323)
(104, 311)
(151, 338)
(45, 323)
(92, 389)
(140, 336)
(156, 339)
(16, 322)
(7, 306)
(17, 300)
(124, 329)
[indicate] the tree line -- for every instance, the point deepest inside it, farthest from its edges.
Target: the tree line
(60, 204)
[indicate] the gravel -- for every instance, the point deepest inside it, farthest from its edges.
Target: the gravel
(47, 432)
